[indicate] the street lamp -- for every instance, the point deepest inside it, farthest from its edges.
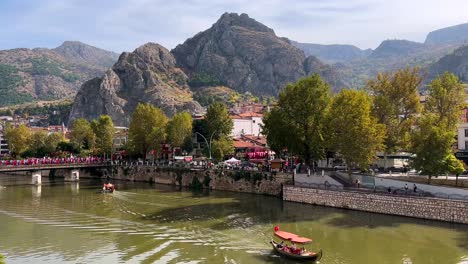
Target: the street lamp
(208, 144)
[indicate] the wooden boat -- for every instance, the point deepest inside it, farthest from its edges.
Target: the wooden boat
(108, 188)
(285, 250)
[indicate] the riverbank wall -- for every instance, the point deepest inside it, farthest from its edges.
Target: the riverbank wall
(224, 180)
(455, 211)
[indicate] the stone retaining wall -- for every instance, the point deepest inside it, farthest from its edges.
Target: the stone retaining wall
(427, 208)
(225, 180)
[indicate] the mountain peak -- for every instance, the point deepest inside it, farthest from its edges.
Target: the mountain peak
(243, 20)
(83, 53)
(396, 47)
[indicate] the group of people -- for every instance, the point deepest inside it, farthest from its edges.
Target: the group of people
(292, 249)
(51, 161)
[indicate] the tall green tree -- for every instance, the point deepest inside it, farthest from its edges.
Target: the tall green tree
(297, 123)
(82, 135)
(147, 129)
(18, 138)
(179, 129)
(103, 128)
(354, 133)
(433, 139)
(218, 121)
(446, 99)
(431, 144)
(396, 105)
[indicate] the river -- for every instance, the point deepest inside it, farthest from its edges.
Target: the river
(141, 223)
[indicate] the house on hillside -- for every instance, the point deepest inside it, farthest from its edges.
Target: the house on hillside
(248, 123)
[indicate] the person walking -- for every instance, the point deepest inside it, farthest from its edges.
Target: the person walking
(415, 188)
(406, 188)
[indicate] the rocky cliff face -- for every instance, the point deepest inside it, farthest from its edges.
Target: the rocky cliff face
(44, 74)
(148, 75)
(243, 54)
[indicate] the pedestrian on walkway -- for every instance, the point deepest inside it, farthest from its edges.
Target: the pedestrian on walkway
(406, 188)
(415, 188)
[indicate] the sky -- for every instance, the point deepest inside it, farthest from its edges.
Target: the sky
(123, 25)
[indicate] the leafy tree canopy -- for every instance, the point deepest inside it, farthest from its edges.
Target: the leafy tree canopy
(298, 122)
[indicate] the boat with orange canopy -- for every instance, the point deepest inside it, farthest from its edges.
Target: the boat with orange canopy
(291, 251)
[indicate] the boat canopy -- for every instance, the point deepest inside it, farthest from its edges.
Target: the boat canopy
(292, 237)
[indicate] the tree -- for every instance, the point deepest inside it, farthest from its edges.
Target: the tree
(218, 121)
(82, 135)
(103, 128)
(446, 100)
(37, 144)
(433, 140)
(222, 147)
(179, 129)
(147, 129)
(454, 166)
(396, 105)
(18, 138)
(52, 141)
(298, 122)
(355, 133)
(431, 144)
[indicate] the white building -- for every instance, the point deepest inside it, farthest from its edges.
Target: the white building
(247, 124)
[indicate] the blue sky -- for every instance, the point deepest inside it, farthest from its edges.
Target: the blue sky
(123, 25)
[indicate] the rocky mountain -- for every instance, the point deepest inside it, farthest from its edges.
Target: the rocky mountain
(45, 74)
(450, 35)
(397, 48)
(332, 53)
(81, 53)
(148, 75)
(456, 62)
(245, 55)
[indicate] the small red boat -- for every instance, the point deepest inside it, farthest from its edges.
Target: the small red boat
(291, 251)
(108, 188)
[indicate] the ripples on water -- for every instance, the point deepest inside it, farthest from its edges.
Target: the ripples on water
(69, 224)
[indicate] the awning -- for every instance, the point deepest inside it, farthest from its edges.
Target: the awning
(292, 237)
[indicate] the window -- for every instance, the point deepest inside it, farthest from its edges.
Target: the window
(466, 132)
(466, 145)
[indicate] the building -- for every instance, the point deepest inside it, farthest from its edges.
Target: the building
(247, 124)
(57, 129)
(120, 137)
(4, 150)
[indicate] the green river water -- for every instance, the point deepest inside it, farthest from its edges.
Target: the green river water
(140, 223)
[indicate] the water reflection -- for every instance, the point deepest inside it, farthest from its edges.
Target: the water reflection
(73, 223)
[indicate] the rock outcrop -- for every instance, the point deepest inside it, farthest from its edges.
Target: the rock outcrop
(243, 54)
(146, 75)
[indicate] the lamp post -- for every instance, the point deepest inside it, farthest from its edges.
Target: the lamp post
(208, 144)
